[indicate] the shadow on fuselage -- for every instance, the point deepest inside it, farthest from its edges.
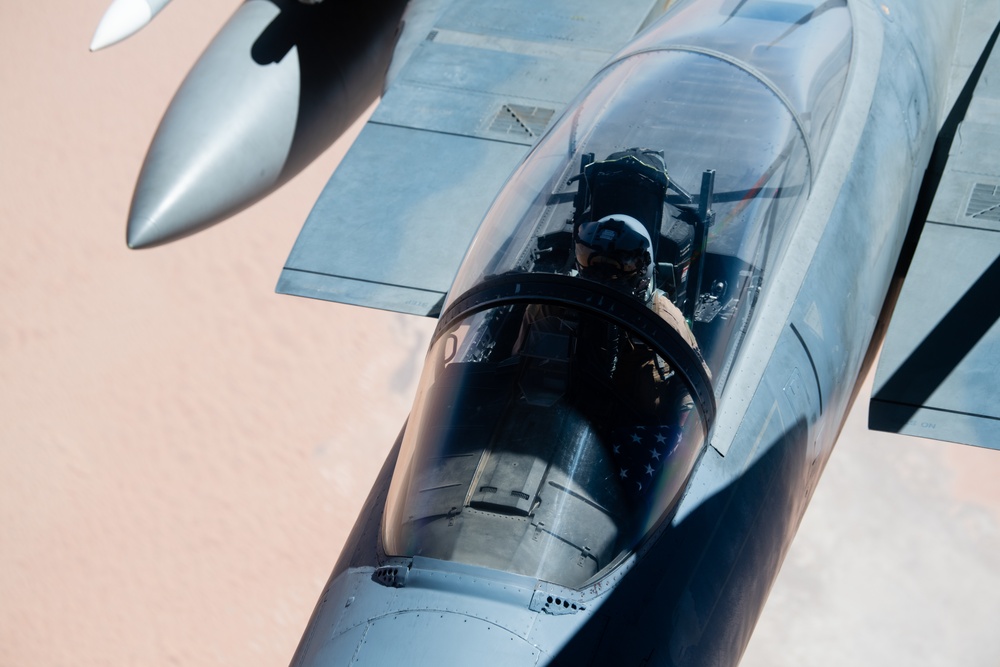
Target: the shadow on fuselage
(695, 595)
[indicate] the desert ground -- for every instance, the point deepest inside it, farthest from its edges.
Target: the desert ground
(182, 452)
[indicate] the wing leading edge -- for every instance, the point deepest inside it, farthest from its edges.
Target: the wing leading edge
(395, 219)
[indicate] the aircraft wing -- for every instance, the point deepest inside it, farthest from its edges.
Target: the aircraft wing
(939, 373)
(477, 86)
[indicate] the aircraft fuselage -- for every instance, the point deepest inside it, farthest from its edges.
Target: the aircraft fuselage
(817, 121)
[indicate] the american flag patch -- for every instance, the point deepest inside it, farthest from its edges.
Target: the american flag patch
(640, 454)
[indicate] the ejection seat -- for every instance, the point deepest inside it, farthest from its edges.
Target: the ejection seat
(634, 182)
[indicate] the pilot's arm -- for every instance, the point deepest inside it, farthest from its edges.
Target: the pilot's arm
(669, 312)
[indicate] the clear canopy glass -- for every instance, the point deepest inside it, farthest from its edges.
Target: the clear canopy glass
(550, 436)
(750, 96)
(545, 441)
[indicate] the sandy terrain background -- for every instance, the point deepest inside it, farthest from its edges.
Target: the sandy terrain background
(182, 452)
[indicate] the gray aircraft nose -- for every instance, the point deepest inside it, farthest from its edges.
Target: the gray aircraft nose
(224, 139)
(427, 638)
(275, 88)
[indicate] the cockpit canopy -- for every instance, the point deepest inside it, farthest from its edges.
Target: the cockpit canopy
(546, 440)
(559, 418)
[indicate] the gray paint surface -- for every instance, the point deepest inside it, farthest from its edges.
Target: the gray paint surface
(939, 375)
(390, 251)
(467, 91)
(743, 507)
(278, 84)
(189, 177)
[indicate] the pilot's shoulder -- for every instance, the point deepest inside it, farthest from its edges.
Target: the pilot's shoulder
(668, 310)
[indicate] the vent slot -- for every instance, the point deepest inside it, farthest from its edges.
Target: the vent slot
(984, 203)
(392, 576)
(521, 120)
(554, 604)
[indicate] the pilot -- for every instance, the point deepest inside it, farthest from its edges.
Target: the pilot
(617, 251)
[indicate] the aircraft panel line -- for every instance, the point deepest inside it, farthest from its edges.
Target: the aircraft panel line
(924, 406)
(812, 363)
(448, 134)
(960, 226)
(360, 280)
(511, 45)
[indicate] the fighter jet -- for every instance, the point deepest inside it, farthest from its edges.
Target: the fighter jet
(689, 221)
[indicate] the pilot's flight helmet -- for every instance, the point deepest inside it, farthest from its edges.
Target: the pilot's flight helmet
(616, 250)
